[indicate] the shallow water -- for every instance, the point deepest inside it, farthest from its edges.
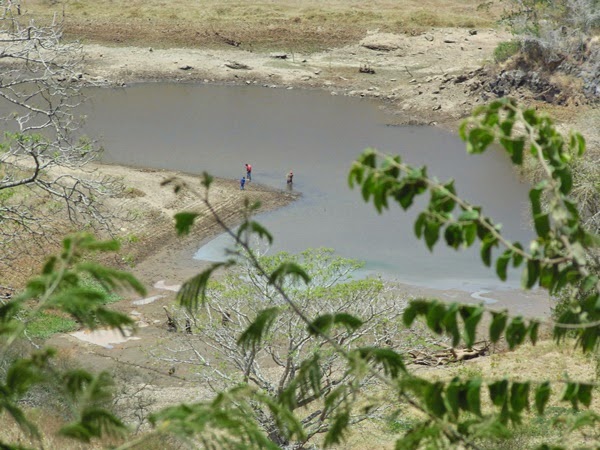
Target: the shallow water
(196, 128)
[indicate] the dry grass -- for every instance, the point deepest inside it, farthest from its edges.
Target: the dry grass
(263, 25)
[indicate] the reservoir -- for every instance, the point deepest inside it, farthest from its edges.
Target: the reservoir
(196, 128)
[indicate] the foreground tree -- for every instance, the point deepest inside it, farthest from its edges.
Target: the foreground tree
(42, 150)
(455, 413)
(60, 289)
(241, 296)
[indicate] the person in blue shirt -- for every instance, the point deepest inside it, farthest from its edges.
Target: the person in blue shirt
(242, 183)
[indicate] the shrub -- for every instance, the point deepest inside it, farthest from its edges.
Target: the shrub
(505, 50)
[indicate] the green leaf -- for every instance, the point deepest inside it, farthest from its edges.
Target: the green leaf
(474, 396)
(478, 140)
(486, 249)
(471, 317)
(415, 308)
(436, 313)
(469, 215)
(257, 229)
(258, 329)
(533, 331)
(517, 257)
(432, 233)
(337, 429)
(390, 360)
(542, 395)
(322, 324)
(207, 179)
(566, 180)
(419, 226)
(451, 324)
(502, 264)
(499, 392)
(516, 332)
(584, 394)
(542, 224)
(433, 399)
(535, 195)
(530, 274)
(498, 325)
(184, 222)
(519, 396)
(193, 291)
(288, 269)
(589, 283)
(585, 419)
(578, 142)
(570, 394)
(514, 147)
(94, 423)
(452, 397)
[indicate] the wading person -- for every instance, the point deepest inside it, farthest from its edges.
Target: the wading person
(242, 183)
(249, 172)
(290, 178)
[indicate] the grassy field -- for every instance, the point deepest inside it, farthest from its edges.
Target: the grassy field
(259, 25)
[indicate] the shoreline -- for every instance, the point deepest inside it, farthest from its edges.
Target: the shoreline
(206, 67)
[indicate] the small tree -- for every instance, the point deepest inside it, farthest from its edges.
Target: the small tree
(239, 298)
(41, 148)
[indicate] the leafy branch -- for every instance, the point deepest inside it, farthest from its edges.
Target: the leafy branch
(454, 411)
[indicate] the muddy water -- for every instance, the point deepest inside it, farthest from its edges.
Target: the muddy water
(194, 128)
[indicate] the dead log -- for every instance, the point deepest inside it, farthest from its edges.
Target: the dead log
(448, 355)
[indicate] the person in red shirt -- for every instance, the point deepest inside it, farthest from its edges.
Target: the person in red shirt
(249, 172)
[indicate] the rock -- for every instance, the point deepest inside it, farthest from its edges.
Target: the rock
(472, 32)
(414, 80)
(384, 42)
(279, 55)
(436, 108)
(428, 37)
(449, 41)
(186, 67)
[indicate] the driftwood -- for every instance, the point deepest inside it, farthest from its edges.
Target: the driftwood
(228, 41)
(171, 323)
(236, 65)
(449, 355)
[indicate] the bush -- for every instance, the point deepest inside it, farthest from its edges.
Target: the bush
(505, 50)
(47, 324)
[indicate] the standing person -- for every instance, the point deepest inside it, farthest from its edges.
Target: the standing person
(249, 172)
(290, 178)
(242, 183)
